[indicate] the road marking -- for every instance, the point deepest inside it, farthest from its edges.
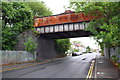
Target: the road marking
(83, 58)
(100, 62)
(24, 66)
(90, 70)
(100, 72)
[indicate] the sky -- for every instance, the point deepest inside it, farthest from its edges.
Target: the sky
(57, 7)
(86, 41)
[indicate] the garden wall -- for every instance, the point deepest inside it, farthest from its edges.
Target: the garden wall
(11, 57)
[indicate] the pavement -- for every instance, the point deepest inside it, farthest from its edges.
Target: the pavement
(105, 69)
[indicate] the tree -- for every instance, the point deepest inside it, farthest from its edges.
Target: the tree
(75, 50)
(76, 45)
(88, 49)
(62, 45)
(16, 18)
(106, 27)
(39, 9)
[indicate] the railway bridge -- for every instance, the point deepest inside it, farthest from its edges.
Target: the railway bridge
(66, 25)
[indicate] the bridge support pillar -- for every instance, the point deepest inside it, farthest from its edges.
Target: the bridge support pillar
(46, 49)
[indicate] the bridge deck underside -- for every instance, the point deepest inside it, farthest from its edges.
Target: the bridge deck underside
(68, 34)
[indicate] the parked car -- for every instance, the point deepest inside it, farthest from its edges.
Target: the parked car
(76, 53)
(90, 52)
(84, 52)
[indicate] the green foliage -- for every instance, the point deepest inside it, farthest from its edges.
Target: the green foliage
(39, 9)
(102, 48)
(76, 42)
(16, 13)
(88, 49)
(106, 28)
(76, 50)
(35, 31)
(114, 58)
(30, 45)
(17, 17)
(62, 45)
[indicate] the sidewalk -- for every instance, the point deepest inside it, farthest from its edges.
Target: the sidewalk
(105, 69)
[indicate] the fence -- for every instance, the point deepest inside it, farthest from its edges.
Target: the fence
(11, 57)
(113, 51)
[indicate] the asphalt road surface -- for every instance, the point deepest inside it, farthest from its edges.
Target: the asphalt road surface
(68, 67)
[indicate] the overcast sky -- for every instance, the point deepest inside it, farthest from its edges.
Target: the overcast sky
(86, 41)
(57, 7)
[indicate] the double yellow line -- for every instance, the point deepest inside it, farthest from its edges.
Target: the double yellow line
(8, 69)
(90, 70)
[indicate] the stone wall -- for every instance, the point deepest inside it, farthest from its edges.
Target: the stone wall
(45, 49)
(24, 37)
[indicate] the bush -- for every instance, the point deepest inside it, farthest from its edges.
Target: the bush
(114, 58)
(62, 45)
(30, 45)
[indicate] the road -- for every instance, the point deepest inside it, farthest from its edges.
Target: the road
(68, 67)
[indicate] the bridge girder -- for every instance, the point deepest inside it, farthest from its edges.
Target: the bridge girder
(68, 30)
(69, 34)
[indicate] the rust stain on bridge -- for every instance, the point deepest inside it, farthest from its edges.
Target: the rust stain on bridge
(66, 25)
(67, 17)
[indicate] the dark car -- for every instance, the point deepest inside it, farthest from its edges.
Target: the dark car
(84, 52)
(74, 54)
